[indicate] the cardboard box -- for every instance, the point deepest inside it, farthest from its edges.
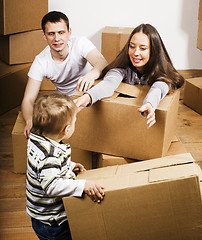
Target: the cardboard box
(193, 94)
(114, 126)
(199, 40)
(104, 160)
(155, 199)
(21, 47)
(13, 80)
(19, 143)
(21, 15)
(113, 40)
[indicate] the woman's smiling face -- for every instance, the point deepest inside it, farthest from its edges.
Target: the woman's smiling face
(139, 50)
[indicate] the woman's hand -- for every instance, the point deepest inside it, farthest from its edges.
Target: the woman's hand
(82, 101)
(149, 112)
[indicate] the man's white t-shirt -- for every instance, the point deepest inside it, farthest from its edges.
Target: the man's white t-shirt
(64, 74)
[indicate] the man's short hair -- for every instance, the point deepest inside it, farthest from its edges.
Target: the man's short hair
(54, 17)
(52, 113)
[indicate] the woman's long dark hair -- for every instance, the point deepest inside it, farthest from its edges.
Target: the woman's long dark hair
(158, 68)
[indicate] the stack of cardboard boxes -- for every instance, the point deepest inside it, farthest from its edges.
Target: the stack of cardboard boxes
(20, 40)
(153, 199)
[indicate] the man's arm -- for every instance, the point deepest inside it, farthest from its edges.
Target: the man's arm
(30, 95)
(96, 59)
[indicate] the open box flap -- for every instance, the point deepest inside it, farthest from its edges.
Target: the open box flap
(174, 172)
(157, 163)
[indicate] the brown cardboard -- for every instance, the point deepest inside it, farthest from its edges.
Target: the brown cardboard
(13, 80)
(114, 126)
(104, 160)
(155, 199)
(21, 15)
(193, 94)
(19, 143)
(113, 40)
(21, 47)
(199, 40)
(47, 85)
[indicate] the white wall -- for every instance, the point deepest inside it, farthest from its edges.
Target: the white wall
(176, 21)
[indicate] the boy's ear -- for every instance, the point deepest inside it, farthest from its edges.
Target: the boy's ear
(66, 129)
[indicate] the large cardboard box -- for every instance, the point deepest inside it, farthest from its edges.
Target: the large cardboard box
(113, 40)
(193, 94)
(155, 199)
(114, 126)
(13, 80)
(21, 15)
(21, 47)
(19, 143)
(104, 160)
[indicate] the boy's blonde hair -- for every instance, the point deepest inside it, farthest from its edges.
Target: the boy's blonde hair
(52, 113)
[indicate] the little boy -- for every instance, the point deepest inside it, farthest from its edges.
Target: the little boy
(50, 174)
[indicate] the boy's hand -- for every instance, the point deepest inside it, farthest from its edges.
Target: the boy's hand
(78, 168)
(94, 191)
(149, 112)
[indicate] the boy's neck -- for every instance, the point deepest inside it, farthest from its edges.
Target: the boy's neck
(56, 138)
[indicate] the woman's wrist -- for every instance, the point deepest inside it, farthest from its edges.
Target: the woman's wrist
(88, 98)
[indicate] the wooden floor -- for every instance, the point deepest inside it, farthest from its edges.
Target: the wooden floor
(14, 223)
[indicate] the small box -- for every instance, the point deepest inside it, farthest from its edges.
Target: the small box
(154, 199)
(114, 126)
(13, 80)
(21, 47)
(19, 143)
(193, 94)
(113, 40)
(21, 15)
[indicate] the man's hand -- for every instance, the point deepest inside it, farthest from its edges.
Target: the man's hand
(149, 112)
(85, 83)
(94, 191)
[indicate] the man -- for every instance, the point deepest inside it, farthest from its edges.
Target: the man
(71, 63)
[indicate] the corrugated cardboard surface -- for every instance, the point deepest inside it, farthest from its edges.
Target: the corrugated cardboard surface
(13, 80)
(113, 40)
(19, 143)
(21, 47)
(21, 15)
(115, 127)
(159, 200)
(193, 94)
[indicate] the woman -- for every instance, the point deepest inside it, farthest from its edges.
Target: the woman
(143, 60)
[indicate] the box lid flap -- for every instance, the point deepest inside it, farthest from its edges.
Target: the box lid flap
(174, 172)
(155, 164)
(98, 173)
